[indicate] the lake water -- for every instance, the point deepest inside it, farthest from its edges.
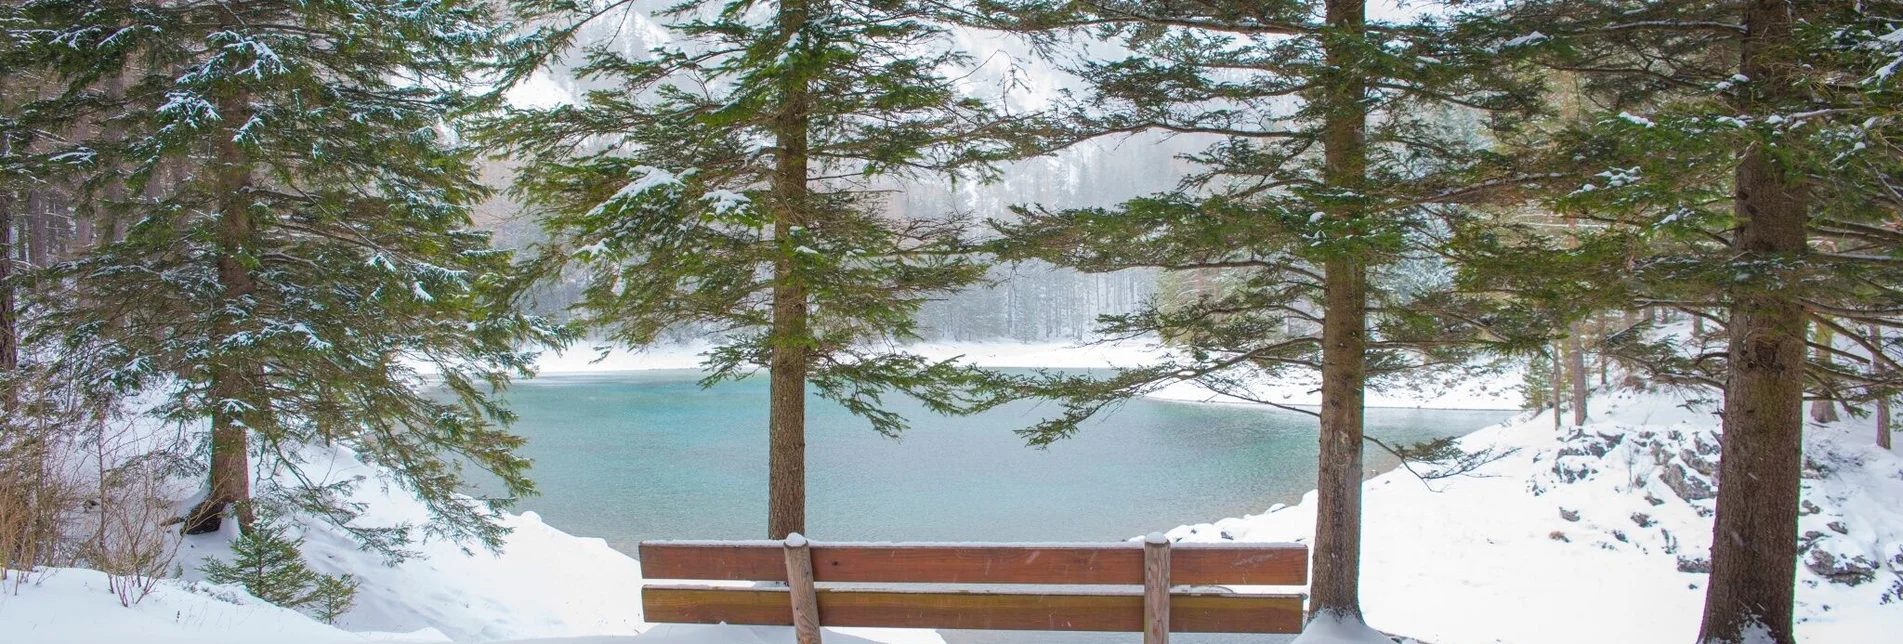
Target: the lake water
(652, 455)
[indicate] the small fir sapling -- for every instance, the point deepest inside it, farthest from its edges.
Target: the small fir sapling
(269, 564)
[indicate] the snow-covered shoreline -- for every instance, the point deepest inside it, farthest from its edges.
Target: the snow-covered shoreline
(1490, 392)
(1596, 534)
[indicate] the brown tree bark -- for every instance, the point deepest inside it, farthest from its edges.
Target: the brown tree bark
(9, 327)
(1599, 359)
(1754, 539)
(1559, 384)
(39, 232)
(1576, 372)
(1334, 586)
(233, 379)
(1883, 403)
(1823, 410)
(786, 410)
(1883, 423)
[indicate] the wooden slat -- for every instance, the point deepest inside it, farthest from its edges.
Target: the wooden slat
(799, 585)
(1119, 563)
(1189, 612)
(1156, 589)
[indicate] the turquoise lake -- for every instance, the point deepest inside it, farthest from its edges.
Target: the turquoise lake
(651, 455)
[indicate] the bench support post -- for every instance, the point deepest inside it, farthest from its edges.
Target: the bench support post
(799, 585)
(1156, 589)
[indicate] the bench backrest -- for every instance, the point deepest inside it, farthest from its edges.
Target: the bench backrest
(1155, 565)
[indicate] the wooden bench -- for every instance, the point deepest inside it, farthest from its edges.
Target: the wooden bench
(1154, 564)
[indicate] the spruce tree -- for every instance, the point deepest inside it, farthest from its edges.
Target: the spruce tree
(298, 250)
(1737, 165)
(1344, 150)
(733, 181)
(269, 564)
(333, 595)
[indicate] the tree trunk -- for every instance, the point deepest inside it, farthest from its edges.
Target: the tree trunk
(9, 320)
(39, 237)
(1576, 370)
(1335, 587)
(1754, 539)
(1883, 402)
(786, 414)
(1334, 590)
(1824, 410)
(1599, 358)
(9, 327)
(1559, 385)
(233, 378)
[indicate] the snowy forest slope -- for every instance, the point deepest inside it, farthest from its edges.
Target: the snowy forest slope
(1602, 533)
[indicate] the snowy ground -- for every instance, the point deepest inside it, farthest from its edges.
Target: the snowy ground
(1596, 534)
(1495, 391)
(544, 584)
(74, 606)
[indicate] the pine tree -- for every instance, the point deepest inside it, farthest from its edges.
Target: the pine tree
(298, 246)
(1345, 149)
(734, 180)
(1738, 159)
(333, 595)
(269, 564)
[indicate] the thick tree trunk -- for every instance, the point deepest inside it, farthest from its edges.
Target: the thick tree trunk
(233, 378)
(1576, 368)
(786, 414)
(1334, 587)
(1824, 410)
(1754, 539)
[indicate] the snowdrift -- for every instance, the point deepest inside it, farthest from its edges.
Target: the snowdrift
(1603, 533)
